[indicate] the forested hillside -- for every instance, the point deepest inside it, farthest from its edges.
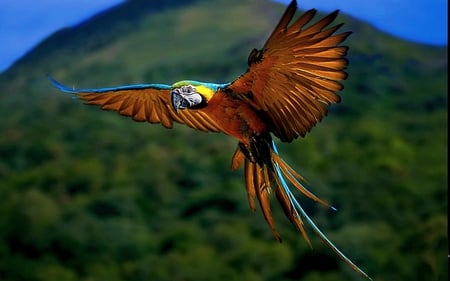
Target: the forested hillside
(91, 195)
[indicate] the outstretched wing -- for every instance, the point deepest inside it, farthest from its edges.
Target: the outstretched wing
(142, 102)
(296, 75)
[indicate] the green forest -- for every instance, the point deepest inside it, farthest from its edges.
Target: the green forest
(91, 195)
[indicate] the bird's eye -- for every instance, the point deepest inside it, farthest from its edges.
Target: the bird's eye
(188, 89)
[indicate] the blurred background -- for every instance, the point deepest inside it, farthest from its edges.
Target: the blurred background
(91, 195)
(24, 24)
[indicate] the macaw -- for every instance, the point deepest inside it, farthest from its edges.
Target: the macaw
(286, 90)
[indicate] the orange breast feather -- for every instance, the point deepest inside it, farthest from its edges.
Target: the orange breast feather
(234, 117)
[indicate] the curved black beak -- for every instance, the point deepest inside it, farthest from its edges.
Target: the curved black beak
(182, 99)
(178, 101)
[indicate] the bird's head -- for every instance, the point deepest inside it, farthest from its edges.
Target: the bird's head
(189, 94)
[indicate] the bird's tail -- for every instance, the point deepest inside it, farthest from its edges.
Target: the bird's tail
(263, 179)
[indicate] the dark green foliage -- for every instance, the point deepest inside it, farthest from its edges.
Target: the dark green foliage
(90, 195)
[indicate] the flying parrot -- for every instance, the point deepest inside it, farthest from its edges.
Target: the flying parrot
(286, 90)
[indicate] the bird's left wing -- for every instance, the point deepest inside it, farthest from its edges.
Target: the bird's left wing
(296, 74)
(142, 102)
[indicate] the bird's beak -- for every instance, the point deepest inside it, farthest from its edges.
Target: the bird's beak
(182, 100)
(178, 101)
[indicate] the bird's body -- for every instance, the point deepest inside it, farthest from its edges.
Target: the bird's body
(285, 91)
(235, 117)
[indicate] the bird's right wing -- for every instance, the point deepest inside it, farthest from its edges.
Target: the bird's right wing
(296, 75)
(142, 102)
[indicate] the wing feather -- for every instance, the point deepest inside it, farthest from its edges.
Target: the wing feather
(302, 21)
(143, 102)
(297, 74)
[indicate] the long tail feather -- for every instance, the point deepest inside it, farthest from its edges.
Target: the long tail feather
(296, 212)
(258, 184)
(295, 179)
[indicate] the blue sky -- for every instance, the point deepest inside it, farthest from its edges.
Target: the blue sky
(24, 23)
(423, 21)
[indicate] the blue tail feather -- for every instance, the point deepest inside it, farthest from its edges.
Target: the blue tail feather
(300, 212)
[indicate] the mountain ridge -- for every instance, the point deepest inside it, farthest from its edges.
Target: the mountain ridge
(120, 14)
